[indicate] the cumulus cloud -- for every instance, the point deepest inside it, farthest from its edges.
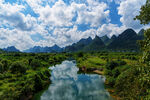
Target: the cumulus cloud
(11, 14)
(110, 29)
(59, 15)
(128, 9)
(16, 38)
(94, 14)
(57, 22)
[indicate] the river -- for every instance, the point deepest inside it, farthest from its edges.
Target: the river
(67, 84)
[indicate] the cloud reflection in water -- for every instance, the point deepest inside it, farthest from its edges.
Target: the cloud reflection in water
(68, 85)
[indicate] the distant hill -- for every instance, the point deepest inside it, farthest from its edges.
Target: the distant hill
(125, 41)
(11, 49)
(95, 45)
(105, 39)
(141, 32)
(79, 46)
(86, 45)
(2, 51)
(38, 49)
(113, 38)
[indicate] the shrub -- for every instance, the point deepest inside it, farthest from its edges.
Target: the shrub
(6, 64)
(35, 63)
(80, 54)
(111, 65)
(25, 61)
(111, 81)
(18, 67)
(116, 72)
(131, 85)
(30, 60)
(1, 68)
(38, 83)
(108, 72)
(122, 63)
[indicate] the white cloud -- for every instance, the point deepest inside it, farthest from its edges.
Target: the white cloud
(15, 38)
(11, 14)
(59, 15)
(110, 29)
(55, 23)
(128, 9)
(94, 14)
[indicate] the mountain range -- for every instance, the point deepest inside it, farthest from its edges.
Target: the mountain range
(38, 49)
(11, 49)
(126, 41)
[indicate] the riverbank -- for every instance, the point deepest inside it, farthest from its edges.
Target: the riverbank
(25, 74)
(68, 84)
(30, 76)
(110, 65)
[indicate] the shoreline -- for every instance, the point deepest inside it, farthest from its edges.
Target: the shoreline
(101, 72)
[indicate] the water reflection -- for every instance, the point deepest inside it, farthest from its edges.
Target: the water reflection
(68, 85)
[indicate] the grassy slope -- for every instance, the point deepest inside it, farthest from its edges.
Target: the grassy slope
(92, 62)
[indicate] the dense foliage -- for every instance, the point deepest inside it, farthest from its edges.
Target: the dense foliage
(144, 17)
(133, 83)
(22, 74)
(18, 67)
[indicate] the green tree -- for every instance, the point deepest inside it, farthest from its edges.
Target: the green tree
(5, 63)
(1, 68)
(35, 64)
(18, 67)
(144, 18)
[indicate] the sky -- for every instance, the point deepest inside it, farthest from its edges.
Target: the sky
(28, 23)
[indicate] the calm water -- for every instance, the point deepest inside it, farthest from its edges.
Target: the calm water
(68, 85)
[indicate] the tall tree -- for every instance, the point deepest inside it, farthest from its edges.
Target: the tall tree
(144, 18)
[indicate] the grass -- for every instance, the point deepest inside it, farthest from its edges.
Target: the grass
(93, 62)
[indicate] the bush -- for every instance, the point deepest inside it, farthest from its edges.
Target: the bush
(35, 63)
(30, 60)
(1, 68)
(122, 63)
(131, 85)
(38, 83)
(80, 54)
(25, 61)
(108, 72)
(18, 67)
(111, 65)
(6, 64)
(116, 72)
(111, 81)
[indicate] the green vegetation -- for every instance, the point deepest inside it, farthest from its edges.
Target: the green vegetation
(18, 67)
(134, 82)
(106, 61)
(126, 76)
(22, 75)
(127, 73)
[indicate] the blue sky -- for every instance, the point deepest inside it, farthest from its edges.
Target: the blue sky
(28, 23)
